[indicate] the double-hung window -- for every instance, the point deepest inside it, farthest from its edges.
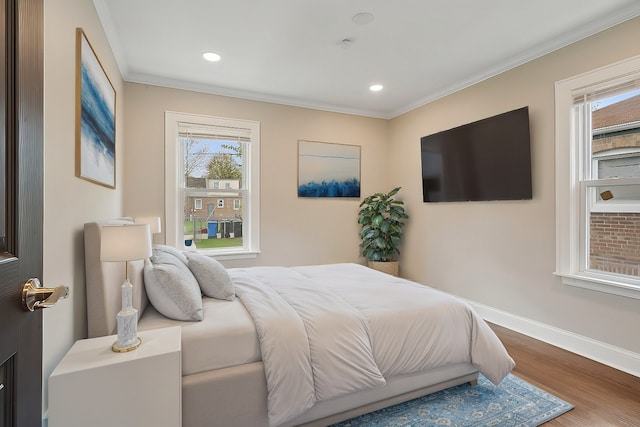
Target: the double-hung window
(598, 179)
(212, 162)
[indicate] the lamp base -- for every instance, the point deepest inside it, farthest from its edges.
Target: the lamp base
(127, 321)
(118, 349)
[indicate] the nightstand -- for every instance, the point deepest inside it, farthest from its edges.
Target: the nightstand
(93, 386)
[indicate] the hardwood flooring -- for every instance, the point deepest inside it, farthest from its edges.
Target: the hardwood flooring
(602, 396)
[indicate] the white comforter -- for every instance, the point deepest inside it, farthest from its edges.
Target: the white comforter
(329, 330)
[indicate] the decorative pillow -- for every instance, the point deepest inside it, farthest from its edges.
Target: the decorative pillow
(160, 250)
(213, 278)
(171, 287)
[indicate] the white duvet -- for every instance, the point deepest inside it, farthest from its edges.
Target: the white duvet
(329, 330)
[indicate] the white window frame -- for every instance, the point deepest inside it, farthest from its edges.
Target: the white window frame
(220, 203)
(197, 204)
(622, 206)
(236, 204)
(571, 193)
(174, 197)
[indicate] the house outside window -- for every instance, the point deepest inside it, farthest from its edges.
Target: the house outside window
(212, 161)
(614, 209)
(598, 179)
(236, 204)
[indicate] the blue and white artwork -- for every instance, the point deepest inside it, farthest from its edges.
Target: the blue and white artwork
(97, 150)
(328, 170)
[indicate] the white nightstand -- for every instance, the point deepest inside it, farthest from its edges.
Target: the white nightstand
(93, 386)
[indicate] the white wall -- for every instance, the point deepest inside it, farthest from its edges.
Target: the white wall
(502, 254)
(69, 202)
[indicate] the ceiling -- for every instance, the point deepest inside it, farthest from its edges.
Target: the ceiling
(292, 51)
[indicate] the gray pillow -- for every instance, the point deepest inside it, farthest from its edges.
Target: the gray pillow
(161, 251)
(213, 278)
(171, 288)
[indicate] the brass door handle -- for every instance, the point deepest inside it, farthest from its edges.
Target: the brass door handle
(34, 296)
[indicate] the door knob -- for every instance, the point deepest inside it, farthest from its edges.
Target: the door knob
(34, 296)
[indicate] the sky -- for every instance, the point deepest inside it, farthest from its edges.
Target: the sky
(612, 100)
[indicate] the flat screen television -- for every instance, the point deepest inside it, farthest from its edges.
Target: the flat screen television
(485, 160)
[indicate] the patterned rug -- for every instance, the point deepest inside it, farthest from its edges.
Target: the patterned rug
(514, 402)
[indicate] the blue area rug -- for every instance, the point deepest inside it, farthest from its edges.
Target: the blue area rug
(514, 402)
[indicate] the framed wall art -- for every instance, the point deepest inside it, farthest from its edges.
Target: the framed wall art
(95, 117)
(328, 170)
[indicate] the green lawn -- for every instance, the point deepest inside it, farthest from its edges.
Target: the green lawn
(188, 225)
(218, 243)
(209, 243)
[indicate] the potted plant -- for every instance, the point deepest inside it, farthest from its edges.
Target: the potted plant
(382, 218)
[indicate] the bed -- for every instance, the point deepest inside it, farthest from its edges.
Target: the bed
(308, 345)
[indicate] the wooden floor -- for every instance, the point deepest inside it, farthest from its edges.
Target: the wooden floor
(602, 396)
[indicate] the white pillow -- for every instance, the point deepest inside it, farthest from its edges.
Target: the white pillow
(213, 278)
(171, 287)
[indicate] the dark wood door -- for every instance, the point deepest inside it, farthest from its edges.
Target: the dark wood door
(21, 198)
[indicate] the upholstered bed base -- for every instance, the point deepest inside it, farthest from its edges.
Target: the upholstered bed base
(237, 396)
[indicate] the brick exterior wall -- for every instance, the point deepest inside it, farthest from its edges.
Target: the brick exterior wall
(619, 141)
(225, 213)
(615, 243)
(615, 237)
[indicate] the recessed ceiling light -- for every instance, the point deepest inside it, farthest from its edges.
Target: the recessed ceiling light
(362, 18)
(211, 56)
(375, 88)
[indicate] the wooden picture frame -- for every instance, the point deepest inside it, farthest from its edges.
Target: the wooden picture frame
(95, 117)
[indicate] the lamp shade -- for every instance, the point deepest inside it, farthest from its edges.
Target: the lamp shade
(125, 242)
(153, 221)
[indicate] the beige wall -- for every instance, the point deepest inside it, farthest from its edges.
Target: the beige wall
(502, 254)
(69, 202)
(293, 231)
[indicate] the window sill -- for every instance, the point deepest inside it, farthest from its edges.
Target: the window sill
(601, 283)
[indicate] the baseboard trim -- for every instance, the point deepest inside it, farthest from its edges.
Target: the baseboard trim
(616, 357)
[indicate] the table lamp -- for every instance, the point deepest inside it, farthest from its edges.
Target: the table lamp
(153, 221)
(126, 243)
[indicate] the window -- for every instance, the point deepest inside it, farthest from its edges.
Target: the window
(210, 159)
(598, 179)
(618, 163)
(236, 204)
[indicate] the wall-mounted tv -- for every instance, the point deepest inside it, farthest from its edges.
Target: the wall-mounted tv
(485, 160)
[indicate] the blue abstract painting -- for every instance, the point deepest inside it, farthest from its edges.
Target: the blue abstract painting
(96, 119)
(328, 170)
